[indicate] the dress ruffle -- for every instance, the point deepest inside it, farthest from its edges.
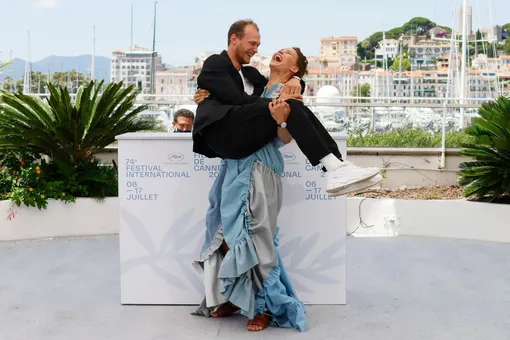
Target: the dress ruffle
(240, 270)
(279, 299)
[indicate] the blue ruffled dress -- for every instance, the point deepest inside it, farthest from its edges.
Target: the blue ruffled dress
(245, 200)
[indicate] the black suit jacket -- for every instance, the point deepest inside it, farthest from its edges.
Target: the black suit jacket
(222, 80)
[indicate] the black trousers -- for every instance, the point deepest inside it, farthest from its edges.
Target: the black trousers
(247, 128)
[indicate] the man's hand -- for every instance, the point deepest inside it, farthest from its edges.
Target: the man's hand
(200, 96)
(280, 110)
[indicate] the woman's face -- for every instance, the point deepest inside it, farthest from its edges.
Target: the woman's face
(285, 60)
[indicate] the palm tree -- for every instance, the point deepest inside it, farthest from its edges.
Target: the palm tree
(68, 131)
(488, 176)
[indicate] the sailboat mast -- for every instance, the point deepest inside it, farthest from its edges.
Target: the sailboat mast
(132, 29)
(93, 54)
(153, 63)
(464, 62)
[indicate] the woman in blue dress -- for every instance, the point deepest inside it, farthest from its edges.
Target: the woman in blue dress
(243, 270)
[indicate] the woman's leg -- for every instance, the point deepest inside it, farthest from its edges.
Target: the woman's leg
(247, 128)
(227, 309)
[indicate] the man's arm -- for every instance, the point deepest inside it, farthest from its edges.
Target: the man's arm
(216, 79)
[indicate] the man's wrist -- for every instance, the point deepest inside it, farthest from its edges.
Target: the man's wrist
(296, 77)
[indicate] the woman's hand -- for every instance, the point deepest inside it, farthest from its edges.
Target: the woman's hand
(280, 110)
(291, 90)
(200, 96)
(291, 87)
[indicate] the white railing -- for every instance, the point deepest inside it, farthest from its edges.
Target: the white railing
(364, 114)
(355, 114)
(187, 99)
(338, 101)
(352, 113)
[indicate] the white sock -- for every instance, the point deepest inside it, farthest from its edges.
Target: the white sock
(331, 162)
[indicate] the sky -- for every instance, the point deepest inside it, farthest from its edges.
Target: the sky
(186, 28)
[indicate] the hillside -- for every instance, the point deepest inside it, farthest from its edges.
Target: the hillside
(80, 63)
(416, 25)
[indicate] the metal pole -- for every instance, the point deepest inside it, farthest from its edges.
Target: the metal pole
(27, 78)
(132, 29)
(442, 164)
(400, 46)
(153, 64)
(93, 55)
(464, 62)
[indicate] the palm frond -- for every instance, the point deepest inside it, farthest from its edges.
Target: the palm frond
(66, 130)
(488, 176)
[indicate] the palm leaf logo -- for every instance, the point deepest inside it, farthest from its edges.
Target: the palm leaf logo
(177, 237)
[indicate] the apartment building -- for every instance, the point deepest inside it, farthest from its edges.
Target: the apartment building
(469, 20)
(174, 82)
(339, 49)
(133, 67)
(494, 33)
(482, 84)
(482, 62)
(505, 62)
(424, 53)
(319, 77)
(389, 48)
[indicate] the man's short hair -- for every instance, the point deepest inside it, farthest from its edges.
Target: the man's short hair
(183, 113)
(238, 27)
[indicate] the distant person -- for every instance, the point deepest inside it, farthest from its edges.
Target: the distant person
(183, 120)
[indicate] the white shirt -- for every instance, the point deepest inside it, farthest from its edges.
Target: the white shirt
(248, 87)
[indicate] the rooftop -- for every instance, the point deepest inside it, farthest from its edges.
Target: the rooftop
(339, 38)
(402, 287)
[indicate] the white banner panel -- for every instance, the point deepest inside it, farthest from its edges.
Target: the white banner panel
(163, 198)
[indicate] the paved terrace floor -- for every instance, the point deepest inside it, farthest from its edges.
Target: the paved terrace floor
(398, 288)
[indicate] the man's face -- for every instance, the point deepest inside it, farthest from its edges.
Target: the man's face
(248, 46)
(183, 124)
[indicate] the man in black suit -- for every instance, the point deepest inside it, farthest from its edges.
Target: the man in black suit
(234, 121)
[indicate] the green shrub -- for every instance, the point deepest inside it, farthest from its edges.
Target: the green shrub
(488, 176)
(27, 180)
(408, 138)
(68, 133)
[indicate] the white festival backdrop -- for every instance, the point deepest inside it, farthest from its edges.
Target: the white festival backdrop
(163, 198)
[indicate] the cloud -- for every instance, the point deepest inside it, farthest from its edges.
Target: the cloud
(45, 3)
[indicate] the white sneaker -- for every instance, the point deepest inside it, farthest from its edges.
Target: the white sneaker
(358, 186)
(347, 175)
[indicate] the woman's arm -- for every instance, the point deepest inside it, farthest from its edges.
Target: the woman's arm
(280, 111)
(284, 135)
